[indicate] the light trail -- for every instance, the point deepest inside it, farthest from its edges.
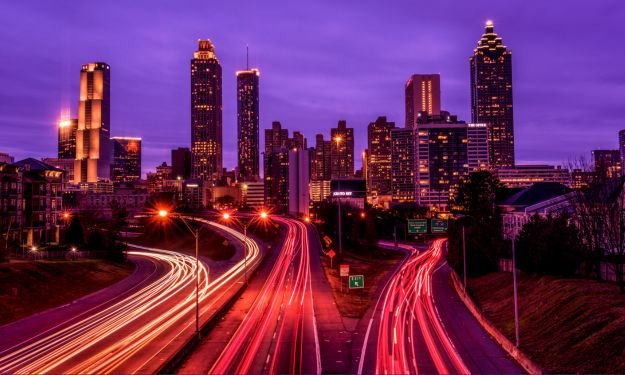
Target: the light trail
(103, 338)
(282, 314)
(409, 323)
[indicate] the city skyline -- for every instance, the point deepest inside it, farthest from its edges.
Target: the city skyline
(161, 116)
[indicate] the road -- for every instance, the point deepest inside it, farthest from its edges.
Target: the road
(418, 325)
(131, 327)
(278, 334)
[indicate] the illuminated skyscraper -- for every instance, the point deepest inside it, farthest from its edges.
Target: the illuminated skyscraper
(206, 113)
(67, 138)
(126, 165)
(378, 163)
(342, 151)
(423, 94)
(93, 147)
(403, 187)
(491, 96)
(321, 161)
(247, 124)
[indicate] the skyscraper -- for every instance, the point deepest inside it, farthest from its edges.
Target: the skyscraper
(126, 165)
(491, 96)
(67, 138)
(342, 151)
(378, 163)
(403, 186)
(423, 94)
(477, 147)
(181, 163)
(321, 161)
(247, 123)
(93, 148)
(607, 163)
(206, 113)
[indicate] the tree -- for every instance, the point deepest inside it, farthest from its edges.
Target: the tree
(74, 234)
(613, 236)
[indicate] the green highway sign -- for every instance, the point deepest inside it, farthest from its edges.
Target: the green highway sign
(417, 226)
(356, 281)
(439, 226)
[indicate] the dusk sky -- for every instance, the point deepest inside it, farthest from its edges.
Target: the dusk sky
(320, 61)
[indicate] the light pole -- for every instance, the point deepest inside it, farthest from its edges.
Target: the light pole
(196, 233)
(516, 301)
(226, 216)
(338, 140)
(464, 261)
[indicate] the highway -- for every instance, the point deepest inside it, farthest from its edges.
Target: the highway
(130, 327)
(278, 334)
(418, 325)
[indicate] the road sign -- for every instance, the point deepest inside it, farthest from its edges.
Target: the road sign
(417, 226)
(327, 240)
(344, 270)
(356, 281)
(439, 226)
(331, 253)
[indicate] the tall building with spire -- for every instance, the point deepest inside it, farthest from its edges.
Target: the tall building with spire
(491, 96)
(423, 94)
(206, 113)
(93, 147)
(247, 124)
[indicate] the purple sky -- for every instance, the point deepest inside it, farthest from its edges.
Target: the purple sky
(320, 61)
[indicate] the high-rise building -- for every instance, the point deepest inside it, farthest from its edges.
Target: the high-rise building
(342, 151)
(126, 165)
(321, 167)
(403, 186)
(67, 138)
(299, 179)
(441, 158)
(181, 163)
(607, 162)
(277, 179)
(93, 147)
(529, 174)
(378, 163)
(423, 94)
(621, 147)
(247, 124)
(491, 96)
(477, 147)
(206, 113)
(275, 137)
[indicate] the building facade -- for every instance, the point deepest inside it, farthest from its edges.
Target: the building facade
(206, 113)
(477, 147)
(181, 163)
(607, 163)
(403, 188)
(491, 96)
(67, 139)
(377, 163)
(248, 124)
(126, 165)
(321, 166)
(299, 180)
(342, 151)
(93, 147)
(423, 94)
(523, 176)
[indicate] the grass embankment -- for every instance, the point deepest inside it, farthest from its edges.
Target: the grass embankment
(41, 285)
(566, 325)
(354, 303)
(177, 238)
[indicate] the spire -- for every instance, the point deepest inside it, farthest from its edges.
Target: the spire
(247, 57)
(490, 42)
(205, 51)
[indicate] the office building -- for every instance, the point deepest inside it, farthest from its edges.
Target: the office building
(299, 179)
(247, 124)
(342, 151)
(126, 165)
(181, 163)
(403, 188)
(522, 176)
(477, 147)
(67, 139)
(321, 167)
(277, 180)
(377, 161)
(441, 158)
(206, 113)
(253, 194)
(491, 96)
(423, 94)
(607, 163)
(93, 147)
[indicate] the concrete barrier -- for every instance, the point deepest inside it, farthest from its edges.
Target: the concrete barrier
(526, 362)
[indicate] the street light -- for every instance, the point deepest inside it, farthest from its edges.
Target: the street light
(338, 140)
(196, 233)
(226, 216)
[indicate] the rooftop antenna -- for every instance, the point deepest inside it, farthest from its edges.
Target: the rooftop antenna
(247, 57)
